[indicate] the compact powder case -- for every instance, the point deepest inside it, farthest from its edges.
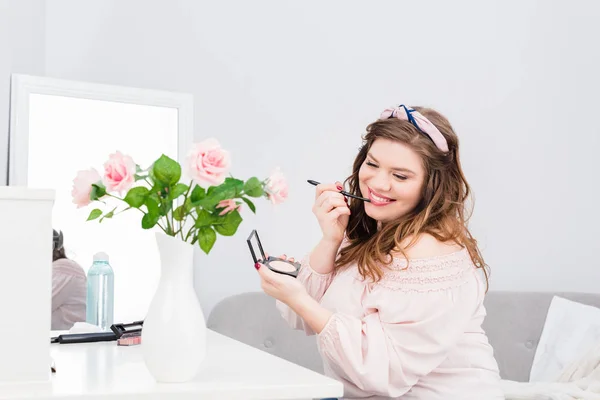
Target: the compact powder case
(275, 264)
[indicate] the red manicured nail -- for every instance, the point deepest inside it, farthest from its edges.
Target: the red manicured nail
(257, 266)
(339, 187)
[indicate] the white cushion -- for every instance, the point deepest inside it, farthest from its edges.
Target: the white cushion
(570, 330)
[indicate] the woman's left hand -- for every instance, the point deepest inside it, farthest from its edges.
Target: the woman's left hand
(281, 287)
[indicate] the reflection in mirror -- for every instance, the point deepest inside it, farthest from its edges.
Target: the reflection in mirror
(68, 287)
(52, 138)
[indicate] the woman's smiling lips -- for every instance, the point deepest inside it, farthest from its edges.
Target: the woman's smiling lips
(378, 199)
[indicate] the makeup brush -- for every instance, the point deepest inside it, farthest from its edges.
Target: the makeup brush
(315, 183)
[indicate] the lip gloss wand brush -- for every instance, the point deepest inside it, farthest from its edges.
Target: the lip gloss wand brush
(315, 183)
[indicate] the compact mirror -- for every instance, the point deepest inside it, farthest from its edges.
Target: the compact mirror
(275, 264)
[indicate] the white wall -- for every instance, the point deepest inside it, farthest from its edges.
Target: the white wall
(22, 50)
(294, 85)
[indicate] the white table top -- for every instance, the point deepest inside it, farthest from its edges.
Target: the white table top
(232, 370)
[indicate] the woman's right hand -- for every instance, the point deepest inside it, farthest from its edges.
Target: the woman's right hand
(332, 211)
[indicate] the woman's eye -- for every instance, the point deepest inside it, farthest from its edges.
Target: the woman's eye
(373, 165)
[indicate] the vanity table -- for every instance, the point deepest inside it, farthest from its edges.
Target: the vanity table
(232, 370)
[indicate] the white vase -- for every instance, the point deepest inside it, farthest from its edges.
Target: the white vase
(174, 332)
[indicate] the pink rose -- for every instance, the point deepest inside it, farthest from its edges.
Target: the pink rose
(119, 173)
(277, 187)
(228, 206)
(208, 163)
(82, 186)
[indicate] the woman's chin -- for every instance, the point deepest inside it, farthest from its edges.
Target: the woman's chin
(375, 213)
(380, 214)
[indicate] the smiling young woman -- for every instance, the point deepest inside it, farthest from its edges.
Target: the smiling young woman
(395, 287)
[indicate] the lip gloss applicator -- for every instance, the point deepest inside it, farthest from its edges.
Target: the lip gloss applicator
(315, 183)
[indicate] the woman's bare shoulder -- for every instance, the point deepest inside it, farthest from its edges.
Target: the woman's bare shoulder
(427, 246)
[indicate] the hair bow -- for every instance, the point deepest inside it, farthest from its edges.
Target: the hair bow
(419, 121)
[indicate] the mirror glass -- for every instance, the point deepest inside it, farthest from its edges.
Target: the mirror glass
(67, 134)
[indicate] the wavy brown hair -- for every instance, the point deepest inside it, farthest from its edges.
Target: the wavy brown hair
(442, 211)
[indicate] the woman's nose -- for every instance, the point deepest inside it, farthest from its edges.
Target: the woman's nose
(380, 182)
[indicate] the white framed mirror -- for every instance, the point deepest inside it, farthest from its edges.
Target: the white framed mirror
(59, 127)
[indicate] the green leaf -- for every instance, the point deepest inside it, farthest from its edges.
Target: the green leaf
(166, 171)
(188, 204)
(253, 187)
(148, 221)
(178, 190)
(223, 191)
(95, 213)
(152, 216)
(198, 193)
(156, 188)
(98, 191)
(250, 204)
(136, 196)
(216, 194)
(165, 207)
(235, 184)
(140, 177)
(229, 224)
(155, 197)
(151, 173)
(206, 238)
(204, 219)
(109, 214)
(179, 213)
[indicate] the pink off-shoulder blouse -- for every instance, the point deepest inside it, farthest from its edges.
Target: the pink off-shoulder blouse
(416, 334)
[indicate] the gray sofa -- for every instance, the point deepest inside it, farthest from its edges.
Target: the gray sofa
(513, 324)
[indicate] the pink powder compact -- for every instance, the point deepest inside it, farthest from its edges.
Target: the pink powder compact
(129, 339)
(275, 264)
